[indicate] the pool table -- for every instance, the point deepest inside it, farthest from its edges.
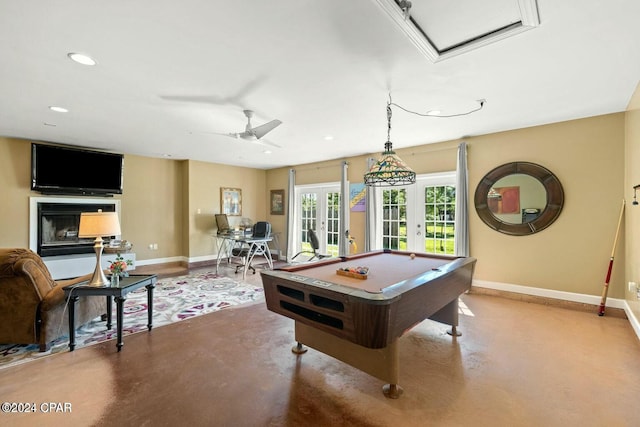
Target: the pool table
(358, 320)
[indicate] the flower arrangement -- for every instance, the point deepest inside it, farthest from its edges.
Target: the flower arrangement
(119, 266)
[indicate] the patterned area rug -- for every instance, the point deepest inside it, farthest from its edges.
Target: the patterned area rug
(174, 299)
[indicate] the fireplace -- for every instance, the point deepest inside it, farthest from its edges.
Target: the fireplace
(58, 225)
(53, 227)
(55, 223)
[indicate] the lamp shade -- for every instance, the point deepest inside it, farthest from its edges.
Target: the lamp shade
(99, 224)
(389, 170)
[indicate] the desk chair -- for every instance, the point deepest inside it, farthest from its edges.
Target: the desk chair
(262, 229)
(315, 245)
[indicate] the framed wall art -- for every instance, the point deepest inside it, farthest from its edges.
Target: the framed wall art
(231, 201)
(277, 202)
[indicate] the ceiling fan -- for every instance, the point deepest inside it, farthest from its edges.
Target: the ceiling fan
(255, 134)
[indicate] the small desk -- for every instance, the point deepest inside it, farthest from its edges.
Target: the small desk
(118, 292)
(256, 246)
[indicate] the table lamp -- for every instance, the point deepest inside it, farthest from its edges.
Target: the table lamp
(99, 224)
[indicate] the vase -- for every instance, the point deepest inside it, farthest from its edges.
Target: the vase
(115, 280)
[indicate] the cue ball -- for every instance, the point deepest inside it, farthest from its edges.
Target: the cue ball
(412, 256)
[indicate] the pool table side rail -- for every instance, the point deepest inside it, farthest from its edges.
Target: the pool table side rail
(438, 300)
(336, 260)
(370, 320)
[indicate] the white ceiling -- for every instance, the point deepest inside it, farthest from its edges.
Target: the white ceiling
(172, 74)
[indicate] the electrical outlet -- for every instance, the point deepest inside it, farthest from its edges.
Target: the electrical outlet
(632, 286)
(155, 246)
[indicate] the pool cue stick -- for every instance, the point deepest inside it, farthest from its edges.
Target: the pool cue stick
(603, 300)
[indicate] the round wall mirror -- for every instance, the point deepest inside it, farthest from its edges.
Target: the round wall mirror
(519, 198)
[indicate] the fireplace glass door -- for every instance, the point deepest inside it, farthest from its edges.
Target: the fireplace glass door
(58, 225)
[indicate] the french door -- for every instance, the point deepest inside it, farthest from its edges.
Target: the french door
(420, 217)
(318, 209)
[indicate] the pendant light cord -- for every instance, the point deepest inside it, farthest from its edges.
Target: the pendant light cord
(390, 103)
(389, 119)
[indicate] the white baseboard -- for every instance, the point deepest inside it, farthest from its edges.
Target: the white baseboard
(162, 260)
(203, 258)
(186, 260)
(549, 293)
(565, 296)
(633, 319)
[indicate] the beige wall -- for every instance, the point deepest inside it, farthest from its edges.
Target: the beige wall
(15, 173)
(632, 217)
(205, 181)
(159, 203)
(277, 180)
(571, 255)
(151, 207)
(162, 197)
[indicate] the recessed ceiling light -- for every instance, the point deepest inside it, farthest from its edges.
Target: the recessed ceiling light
(267, 151)
(81, 58)
(58, 109)
(434, 113)
(328, 138)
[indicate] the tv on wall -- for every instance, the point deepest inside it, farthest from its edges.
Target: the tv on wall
(64, 170)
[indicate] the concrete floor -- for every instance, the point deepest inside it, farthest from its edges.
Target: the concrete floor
(516, 364)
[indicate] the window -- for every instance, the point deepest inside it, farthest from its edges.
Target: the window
(418, 217)
(394, 219)
(439, 219)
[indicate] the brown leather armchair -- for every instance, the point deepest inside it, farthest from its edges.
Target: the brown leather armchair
(32, 304)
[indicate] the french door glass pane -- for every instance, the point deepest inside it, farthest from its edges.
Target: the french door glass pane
(439, 221)
(333, 223)
(394, 222)
(309, 218)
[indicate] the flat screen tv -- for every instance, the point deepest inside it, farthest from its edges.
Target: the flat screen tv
(64, 170)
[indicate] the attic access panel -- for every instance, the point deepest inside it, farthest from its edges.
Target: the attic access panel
(441, 29)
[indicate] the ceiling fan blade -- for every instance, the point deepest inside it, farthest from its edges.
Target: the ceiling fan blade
(262, 142)
(233, 98)
(267, 142)
(262, 130)
(230, 135)
(203, 99)
(245, 136)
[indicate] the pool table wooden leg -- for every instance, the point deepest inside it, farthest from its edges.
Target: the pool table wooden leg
(448, 315)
